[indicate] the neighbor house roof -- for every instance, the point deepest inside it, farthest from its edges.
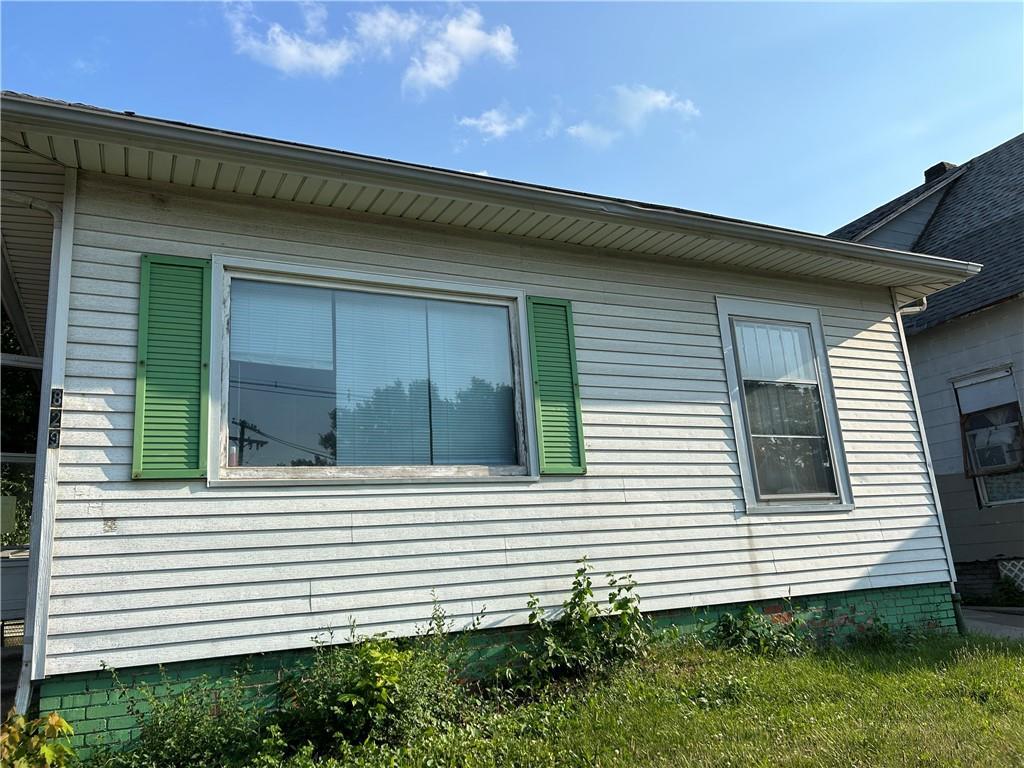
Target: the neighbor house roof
(979, 218)
(126, 144)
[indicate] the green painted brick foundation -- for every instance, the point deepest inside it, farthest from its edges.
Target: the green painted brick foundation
(99, 712)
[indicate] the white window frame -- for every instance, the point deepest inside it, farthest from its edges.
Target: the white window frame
(978, 377)
(737, 308)
(226, 268)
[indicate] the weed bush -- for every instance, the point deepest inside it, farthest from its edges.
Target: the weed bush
(185, 725)
(756, 633)
(583, 638)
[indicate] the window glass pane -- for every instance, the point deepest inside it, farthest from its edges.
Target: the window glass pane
(281, 376)
(280, 416)
(784, 409)
(472, 405)
(281, 325)
(789, 466)
(1006, 487)
(383, 405)
(400, 380)
(994, 439)
(774, 351)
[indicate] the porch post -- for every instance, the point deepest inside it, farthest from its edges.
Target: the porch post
(44, 494)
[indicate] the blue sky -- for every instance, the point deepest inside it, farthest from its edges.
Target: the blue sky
(800, 115)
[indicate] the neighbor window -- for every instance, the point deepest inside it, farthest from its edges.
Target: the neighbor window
(993, 441)
(325, 377)
(785, 421)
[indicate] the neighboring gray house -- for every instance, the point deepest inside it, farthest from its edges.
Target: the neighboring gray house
(967, 350)
(286, 386)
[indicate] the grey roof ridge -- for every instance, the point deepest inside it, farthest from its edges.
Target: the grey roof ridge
(439, 180)
(943, 184)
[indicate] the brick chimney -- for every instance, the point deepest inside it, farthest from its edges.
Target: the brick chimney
(937, 170)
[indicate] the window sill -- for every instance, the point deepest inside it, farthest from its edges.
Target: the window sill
(792, 508)
(281, 476)
(988, 504)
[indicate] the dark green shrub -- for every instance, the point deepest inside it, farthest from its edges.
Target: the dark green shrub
(346, 693)
(754, 632)
(375, 689)
(188, 724)
(1007, 593)
(584, 637)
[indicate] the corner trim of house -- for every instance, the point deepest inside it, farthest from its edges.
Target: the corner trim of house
(924, 440)
(44, 495)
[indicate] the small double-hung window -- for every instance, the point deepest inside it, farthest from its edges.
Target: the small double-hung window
(993, 439)
(786, 426)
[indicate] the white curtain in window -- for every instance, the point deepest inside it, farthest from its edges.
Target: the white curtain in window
(275, 324)
(383, 415)
(472, 405)
(774, 351)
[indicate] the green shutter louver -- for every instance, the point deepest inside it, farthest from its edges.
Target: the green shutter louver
(172, 373)
(556, 389)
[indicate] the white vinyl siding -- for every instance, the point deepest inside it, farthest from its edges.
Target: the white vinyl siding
(150, 571)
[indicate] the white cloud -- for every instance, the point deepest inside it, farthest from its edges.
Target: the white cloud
(384, 27)
(444, 45)
(453, 42)
(286, 51)
(635, 104)
(554, 126)
(593, 135)
(86, 66)
(496, 123)
(314, 16)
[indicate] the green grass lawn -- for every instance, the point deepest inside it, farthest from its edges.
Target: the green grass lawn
(940, 702)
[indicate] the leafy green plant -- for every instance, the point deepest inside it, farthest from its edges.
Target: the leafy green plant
(376, 689)
(181, 725)
(40, 743)
(583, 637)
(755, 632)
(345, 693)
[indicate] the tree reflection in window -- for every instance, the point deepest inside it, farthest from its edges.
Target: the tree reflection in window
(397, 380)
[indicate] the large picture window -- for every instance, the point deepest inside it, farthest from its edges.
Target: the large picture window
(380, 383)
(784, 413)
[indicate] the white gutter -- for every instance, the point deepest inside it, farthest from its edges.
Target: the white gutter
(924, 438)
(128, 129)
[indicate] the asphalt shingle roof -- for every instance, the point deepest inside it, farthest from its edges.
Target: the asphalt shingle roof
(979, 218)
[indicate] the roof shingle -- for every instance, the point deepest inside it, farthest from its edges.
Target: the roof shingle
(979, 218)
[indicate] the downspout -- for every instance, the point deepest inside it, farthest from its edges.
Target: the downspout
(44, 492)
(914, 307)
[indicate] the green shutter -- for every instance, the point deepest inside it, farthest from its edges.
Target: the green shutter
(172, 374)
(556, 388)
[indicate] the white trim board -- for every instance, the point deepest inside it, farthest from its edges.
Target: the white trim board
(44, 496)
